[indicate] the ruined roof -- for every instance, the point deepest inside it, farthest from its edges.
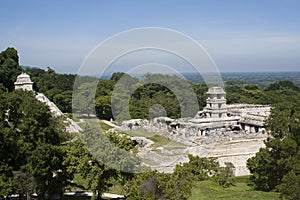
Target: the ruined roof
(215, 90)
(23, 78)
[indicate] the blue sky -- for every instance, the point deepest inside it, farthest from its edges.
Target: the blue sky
(253, 35)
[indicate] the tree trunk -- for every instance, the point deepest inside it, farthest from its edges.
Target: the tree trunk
(61, 195)
(41, 196)
(28, 196)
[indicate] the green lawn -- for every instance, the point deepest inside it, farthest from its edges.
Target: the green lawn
(159, 141)
(139, 133)
(95, 123)
(104, 126)
(208, 190)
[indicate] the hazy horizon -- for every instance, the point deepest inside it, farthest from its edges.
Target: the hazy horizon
(239, 36)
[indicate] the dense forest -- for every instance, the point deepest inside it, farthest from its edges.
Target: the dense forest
(38, 156)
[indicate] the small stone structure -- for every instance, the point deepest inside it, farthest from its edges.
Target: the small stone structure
(24, 82)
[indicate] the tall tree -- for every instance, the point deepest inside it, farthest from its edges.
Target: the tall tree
(94, 158)
(278, 163)
(9, 68)
(32, 137)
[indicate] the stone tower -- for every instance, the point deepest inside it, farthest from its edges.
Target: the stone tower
(23, 82)
(216, 103)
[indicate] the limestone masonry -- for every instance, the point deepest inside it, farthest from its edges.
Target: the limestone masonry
(232, 133)
(24, 82)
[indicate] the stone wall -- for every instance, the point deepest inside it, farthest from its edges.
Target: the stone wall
(70, 125)
(207, 137)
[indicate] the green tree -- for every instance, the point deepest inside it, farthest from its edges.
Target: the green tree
(32, 137)
(103, 107)
(290, 185)
(201, 168)
(177, 185)
(154, 185)
(57, 87)
(84, 97)
(94, 158)
(64, 100)
(277, 165)
(9, 68)
(283, 85)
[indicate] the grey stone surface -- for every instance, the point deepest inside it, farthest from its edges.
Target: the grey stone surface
(232, 133)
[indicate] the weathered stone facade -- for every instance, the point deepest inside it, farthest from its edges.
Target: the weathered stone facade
(216, 103)
(232, 133)
(24, 82)
(216, 118)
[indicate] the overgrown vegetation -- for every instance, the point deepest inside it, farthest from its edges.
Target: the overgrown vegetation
(277, 167)
(179, 184)
(208, 190)
(38, 156)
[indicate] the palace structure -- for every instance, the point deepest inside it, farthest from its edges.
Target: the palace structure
(232, 133)
(216, 118)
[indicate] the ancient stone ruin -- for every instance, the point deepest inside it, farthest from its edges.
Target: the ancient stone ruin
(24, 82)
(216, 118)
(233, 133)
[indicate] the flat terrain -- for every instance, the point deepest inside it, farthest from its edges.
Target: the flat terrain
(208, 190)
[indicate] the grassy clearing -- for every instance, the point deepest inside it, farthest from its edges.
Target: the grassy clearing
(149, 162)
(139, 133)
(174, 145)
(208, 190)
(159, 141)
(96, 124)
(93, 123)
(104, 126)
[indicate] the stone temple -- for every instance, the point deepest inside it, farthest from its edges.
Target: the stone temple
(232, 133)
(24, 82)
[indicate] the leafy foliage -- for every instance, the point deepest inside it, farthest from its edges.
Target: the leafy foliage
(57, 87)
(283, 85)
(91, 158)
(277, 165)
(201, 168)
(30, 154)
(35, 157)
(154, 185)
(9, 68)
